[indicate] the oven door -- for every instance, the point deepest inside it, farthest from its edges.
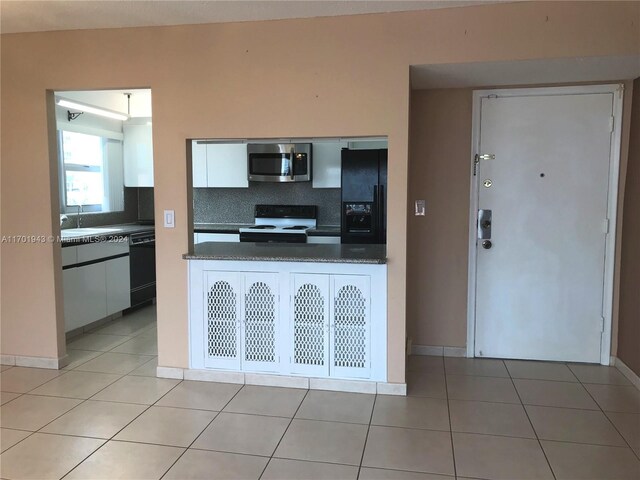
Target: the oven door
(279, 162)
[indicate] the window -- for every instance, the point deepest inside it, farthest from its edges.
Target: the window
(82, 156)
(91, 171)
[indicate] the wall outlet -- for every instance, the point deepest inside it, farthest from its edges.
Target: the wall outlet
(169, 219)
(421, 206)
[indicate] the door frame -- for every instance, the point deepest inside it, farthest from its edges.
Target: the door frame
(612, 200)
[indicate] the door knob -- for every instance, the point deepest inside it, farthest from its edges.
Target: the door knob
(487, 244)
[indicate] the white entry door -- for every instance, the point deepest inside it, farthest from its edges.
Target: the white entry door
(544, 175)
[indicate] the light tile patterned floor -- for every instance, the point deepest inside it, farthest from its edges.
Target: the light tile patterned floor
(106, 416)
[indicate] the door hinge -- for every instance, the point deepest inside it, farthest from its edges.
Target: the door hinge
(620, 90)
(606, 225)
(602, 324)
(612, 122)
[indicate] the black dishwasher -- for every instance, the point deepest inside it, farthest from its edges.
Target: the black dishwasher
(142, 267)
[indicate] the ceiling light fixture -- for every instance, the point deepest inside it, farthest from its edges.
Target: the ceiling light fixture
(63, 102)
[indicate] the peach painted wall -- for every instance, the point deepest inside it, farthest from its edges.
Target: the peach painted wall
(323, 77)
(438, 243)
(629, 323)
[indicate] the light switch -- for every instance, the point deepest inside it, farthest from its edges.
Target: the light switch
(169, 218)
(420, 208)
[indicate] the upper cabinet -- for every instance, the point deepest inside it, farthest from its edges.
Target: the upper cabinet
(138, 153)
(326, 164)
(221, 165)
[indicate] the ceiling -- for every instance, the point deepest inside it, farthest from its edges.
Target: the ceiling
(38, 16)
(526, 72)
(137, 105)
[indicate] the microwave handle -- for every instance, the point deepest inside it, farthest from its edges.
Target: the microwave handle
(292, 163)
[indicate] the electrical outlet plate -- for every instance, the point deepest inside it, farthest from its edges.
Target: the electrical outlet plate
(420, 208)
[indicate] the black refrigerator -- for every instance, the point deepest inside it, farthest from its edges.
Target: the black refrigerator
(364, 196)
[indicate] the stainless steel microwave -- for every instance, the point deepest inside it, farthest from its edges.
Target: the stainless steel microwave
(279, 162)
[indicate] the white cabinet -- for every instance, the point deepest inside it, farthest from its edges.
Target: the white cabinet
(227, 165)
(350, 329)
(222, 320)
(138, 153)
(331, 325)
(199, 164)
(312, 320)
(310, 325)
(222, 165)
(260, 324)
(95, 284)
(92, 299)
(215, 237)
(327, 164)
(323, 239)
(242, 321)
(118, 285)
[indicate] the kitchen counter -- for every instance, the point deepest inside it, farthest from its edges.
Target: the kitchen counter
(289, 252)
(319, 231)
(79, 236)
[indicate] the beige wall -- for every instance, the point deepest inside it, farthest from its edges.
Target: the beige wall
(323, 77)
(438, 243)
(629, 318)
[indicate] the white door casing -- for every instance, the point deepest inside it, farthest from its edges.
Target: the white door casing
(544, 289)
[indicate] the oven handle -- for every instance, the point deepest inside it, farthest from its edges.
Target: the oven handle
(293, 152)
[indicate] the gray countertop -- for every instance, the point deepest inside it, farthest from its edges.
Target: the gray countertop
(320, 230)
(289, 252)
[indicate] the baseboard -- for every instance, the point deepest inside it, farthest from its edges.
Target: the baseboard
(438, 351)
(170, 372)
(285, 381)
(627, 372)
(34, 362)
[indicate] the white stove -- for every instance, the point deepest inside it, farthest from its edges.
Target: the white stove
(280, 223)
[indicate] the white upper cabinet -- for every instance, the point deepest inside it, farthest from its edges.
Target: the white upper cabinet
(327, 164)
(138, 153)
(199, 164)
(227, 165)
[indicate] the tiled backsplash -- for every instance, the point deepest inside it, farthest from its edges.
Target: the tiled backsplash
(236, 205)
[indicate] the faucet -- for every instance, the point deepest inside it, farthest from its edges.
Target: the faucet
(78, 218)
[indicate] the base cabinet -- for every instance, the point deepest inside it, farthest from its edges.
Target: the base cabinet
(96, 282)
(290, 323)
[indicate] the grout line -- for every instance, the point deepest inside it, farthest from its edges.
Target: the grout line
(532, 426)
(453, 450)
(284, 433)
(366, 438)
(610, 421)
(203, 430)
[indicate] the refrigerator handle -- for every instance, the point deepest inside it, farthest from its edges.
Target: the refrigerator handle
(381, 219)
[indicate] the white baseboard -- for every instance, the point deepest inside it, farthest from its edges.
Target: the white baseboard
(627, 372)
(34, 362)
(438, 351)
(286, 381)
(337, 385)
(276, 380)
(399, 389)
(170, 372)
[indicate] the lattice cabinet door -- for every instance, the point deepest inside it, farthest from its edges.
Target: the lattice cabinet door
(350, 332)
(260, 323)
(309, 325)
(222, 320)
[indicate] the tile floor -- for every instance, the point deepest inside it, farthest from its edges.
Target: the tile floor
(107, 416)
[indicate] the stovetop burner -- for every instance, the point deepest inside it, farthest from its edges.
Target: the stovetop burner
(296, 227)
(263, 227)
